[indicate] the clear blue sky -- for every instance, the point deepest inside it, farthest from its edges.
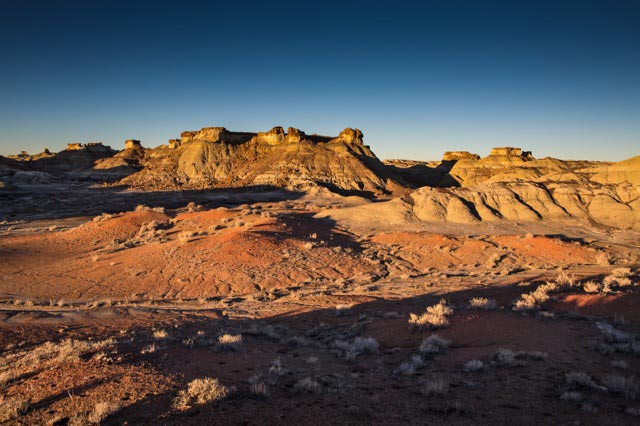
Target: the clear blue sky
(558, 78)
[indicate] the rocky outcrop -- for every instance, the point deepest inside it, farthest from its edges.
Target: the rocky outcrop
(132, 144)
(216, 157)
(459, 155)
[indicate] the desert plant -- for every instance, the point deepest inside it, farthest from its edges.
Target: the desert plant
(579, 379)
(408, 368)
(592, 287)
(359, 346)
(200, 391)
(433, 344)
(258, 386)
(436, 316)
(276, 370)
(625, 386)
(229, 342)
(482, 303)
(160, 334)
(435, 386)
(505, 357)
(621, 272)
(473, 365)
(307, 385)
(102, 410)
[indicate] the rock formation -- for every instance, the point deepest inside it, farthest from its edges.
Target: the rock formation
(216, 157)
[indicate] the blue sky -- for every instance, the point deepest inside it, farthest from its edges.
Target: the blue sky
(559, 78)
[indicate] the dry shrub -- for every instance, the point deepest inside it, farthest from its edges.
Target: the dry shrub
(579, 379)
(621, 272)
(276, 370)
(408, 368)
(258, 386)
(611, 281)
(436, 316)
(307, 385)
(200, 391)
(533, 300)
(592, 287)
(565, 280)
(621, 385)
(433, 345)
(359, 346)
(482, 303)
(473, 365)
(160, 334)
(229, 342)
(102, 410)
(435, 386)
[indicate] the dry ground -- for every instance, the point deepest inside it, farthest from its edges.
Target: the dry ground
(110, 317)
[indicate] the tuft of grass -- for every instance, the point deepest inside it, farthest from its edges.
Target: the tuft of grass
(160, 334)
(258, 386)
(579, 379)
(276, 370)
(359, 346)
(621, 272)
(533, 300)
(473, 365)
(229, 342)
(307, 385)
(621, 385)
(408, 368)
(592, 287)
(433, 345)
(436, 316)
(102, 410)
(435, 386)
(200, 391)
(482, 303)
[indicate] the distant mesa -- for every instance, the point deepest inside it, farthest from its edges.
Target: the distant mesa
(459, 155)
(89, 146)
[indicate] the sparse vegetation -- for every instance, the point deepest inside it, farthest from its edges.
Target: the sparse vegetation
(473, 365)
(592, 287)
(433, 345)
(200, 391)
(621, 385)
(436, 316)
(359, 346)
(482, 303)
(435, 386)
(229, 342)
(307, 385)
(102, 410)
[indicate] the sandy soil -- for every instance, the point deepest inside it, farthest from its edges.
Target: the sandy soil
(145, 293)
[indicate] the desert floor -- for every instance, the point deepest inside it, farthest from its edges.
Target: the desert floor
(113, 302)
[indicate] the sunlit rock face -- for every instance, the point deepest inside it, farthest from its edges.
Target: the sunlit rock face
(217, 157)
